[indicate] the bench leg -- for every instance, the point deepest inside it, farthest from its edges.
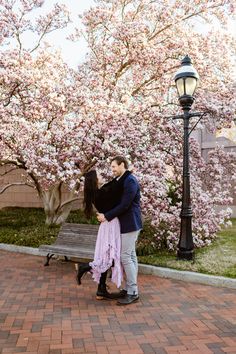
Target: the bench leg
(49, 256)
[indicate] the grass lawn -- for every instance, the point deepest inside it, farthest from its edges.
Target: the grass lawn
(26, 227)
(217, 259)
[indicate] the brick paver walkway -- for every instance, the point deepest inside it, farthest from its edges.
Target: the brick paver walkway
(42, 310)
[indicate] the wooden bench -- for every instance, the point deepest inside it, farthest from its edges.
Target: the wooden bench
(73, 240)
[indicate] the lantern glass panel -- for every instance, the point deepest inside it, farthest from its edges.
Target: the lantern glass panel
(190, 85)
(180, 86)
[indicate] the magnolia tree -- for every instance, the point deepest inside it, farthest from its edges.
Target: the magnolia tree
(36, 96)
(63, 123)
(42, 131)
(135, 49)
(34, 128)
(39, 103)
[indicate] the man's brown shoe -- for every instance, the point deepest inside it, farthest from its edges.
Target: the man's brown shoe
(127, 300)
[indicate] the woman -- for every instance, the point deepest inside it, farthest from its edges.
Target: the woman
(108, 244)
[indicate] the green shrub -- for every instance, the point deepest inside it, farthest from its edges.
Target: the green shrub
(147, 241)
(25, 227)
(78, 217)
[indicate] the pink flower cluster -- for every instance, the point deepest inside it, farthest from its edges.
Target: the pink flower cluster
(58, 122)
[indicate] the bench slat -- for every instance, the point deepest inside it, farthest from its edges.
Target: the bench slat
(73, 240)
(66, 249)
(77, 236)
(81, 227)
(69, 232)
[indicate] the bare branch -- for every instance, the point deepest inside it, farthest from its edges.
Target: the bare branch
(41, 37)
(5, 173)
(11, 162)
(122, 67)
(198, 13)
(19, 41)
(15, 184)
(38, 187)
(138, 10)
(143, 84)
(68, 202)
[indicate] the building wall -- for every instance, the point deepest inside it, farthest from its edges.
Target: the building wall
(22, 196)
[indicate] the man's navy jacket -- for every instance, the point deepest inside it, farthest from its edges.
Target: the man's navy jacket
(128, 210)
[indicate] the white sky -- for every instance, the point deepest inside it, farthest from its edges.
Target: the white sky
(74, 53)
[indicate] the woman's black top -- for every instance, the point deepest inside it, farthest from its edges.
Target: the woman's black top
(109, 195)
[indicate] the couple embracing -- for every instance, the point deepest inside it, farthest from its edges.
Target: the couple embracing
(118, 210)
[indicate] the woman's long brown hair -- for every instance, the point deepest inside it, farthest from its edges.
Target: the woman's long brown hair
(90, 188)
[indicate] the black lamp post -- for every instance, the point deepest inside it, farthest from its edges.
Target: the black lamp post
(186, 79)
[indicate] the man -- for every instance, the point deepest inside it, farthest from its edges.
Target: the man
(129, 214)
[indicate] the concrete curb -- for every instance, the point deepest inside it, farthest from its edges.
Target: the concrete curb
(22, 249)
(148, 269)
(188, 276)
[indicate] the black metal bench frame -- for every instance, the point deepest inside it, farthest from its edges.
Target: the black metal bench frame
(73, 240)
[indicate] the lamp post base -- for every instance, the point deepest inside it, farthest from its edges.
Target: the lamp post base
(187, 255)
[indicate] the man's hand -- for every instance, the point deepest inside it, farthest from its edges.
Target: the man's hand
(101, 217)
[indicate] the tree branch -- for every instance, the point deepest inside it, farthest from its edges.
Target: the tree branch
(15, 184)
(5, 173)
(19, 41)
(11, 162)
(10, 95)
(122, 67)
(67, 202)
(41, 37)
(143, 84)
(38, 187)
(183, 19)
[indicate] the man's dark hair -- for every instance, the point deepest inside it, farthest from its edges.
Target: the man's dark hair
(119, 159)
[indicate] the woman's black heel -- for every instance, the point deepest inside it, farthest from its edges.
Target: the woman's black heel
(83, 269)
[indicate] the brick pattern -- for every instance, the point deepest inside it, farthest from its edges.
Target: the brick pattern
(42, 310)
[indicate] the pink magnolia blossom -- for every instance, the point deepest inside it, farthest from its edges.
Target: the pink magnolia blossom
(135, 49)
(58, 123)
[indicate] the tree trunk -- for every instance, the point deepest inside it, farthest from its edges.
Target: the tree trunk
(57, 211)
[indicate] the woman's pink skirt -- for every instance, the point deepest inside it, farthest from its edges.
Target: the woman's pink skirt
(107, 250)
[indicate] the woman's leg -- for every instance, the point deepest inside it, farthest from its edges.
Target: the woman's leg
(102, 288)
(103, 294)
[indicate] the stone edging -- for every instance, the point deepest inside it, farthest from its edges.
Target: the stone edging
(188, 276)
(21, 249)
(148, 269)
